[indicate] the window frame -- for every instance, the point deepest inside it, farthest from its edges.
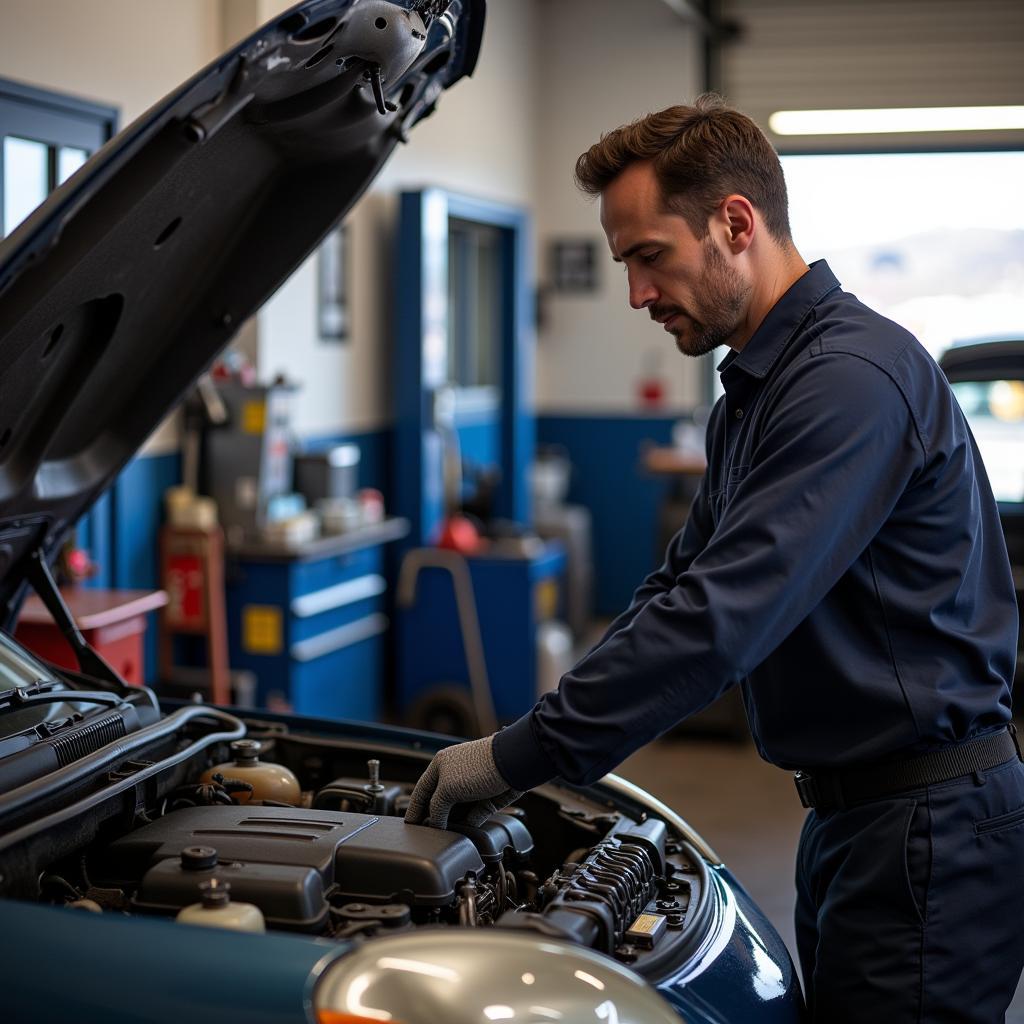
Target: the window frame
(54, 119)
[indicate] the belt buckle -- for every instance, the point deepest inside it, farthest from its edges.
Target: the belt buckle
(806, 789)
(821, 792)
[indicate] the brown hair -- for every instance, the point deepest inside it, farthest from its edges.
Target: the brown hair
(700, 154)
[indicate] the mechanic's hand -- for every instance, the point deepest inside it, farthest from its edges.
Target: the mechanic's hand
(462, 774)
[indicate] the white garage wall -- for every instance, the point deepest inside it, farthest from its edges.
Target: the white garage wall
(128, 53)
(605, 63)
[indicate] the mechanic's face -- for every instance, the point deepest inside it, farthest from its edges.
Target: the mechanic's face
(683, 282)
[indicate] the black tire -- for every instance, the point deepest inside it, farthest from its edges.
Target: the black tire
(446, 709)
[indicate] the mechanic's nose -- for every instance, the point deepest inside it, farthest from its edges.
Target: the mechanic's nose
(641, 292)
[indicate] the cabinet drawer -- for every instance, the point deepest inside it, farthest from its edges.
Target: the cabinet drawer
(308, 577)
(344, 681)
(333, 640)
(338, 595)
(326, 609)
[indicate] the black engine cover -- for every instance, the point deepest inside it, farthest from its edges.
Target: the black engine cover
(288, 860)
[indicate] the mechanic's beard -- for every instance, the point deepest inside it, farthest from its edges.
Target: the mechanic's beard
(720, 296)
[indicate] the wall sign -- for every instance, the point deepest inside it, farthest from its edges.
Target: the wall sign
(573, 265)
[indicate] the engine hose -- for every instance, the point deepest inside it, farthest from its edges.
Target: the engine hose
(501, 887)
(467, 911)
(106, 757)
(467, 904)
(233, 786)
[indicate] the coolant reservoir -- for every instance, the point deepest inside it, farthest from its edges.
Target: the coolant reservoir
(215, 910)
(268, 781)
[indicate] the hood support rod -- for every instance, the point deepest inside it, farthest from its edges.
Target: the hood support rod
(91, 662)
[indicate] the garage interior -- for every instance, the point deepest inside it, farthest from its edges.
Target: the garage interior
(425, 476)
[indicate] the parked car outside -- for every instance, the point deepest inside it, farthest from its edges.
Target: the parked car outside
(987, 377)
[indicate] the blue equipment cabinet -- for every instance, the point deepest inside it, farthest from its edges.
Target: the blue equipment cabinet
(513, 596)
(309, 622)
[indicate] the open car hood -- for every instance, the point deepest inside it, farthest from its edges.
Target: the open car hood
(120, 290)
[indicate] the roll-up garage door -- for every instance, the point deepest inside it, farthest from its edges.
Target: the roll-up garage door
(824, 54)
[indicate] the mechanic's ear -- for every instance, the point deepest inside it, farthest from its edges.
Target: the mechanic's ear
(738, 223)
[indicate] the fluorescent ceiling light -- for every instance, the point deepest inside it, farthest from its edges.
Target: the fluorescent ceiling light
(896, 119)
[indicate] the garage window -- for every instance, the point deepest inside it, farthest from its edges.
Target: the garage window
(44, 138)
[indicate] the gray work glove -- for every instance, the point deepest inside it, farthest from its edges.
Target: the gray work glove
(462, 774)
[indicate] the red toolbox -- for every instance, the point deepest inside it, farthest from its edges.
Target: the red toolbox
(113, 623)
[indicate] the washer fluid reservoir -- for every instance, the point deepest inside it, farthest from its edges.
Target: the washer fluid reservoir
(268, 781)
(215, 910)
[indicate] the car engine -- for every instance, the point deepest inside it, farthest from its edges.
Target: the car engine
(336, 858)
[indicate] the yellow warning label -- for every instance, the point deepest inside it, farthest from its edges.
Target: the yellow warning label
(254, 417)
(545, 600)
(646, 923)
(262, 631)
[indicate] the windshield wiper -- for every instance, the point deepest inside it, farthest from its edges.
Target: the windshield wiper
(44, 691)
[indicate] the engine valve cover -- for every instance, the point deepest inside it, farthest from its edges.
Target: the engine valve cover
(359, 856)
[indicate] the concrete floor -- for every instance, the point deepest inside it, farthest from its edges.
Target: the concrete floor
(747, 810)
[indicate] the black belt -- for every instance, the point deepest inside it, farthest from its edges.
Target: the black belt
(828, 790)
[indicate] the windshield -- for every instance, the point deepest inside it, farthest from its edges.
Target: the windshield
(17, 667)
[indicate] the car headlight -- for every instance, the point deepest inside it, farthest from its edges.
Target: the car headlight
(469, 976)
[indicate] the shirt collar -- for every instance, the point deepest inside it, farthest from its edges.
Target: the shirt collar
(776, 330)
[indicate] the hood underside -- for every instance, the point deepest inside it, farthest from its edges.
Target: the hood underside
(120, 290)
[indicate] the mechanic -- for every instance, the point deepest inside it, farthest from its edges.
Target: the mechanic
(843, 562)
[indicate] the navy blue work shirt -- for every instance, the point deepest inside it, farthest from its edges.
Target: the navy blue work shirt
(843, 561)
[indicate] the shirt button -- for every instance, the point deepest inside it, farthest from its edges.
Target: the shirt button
(739, 414)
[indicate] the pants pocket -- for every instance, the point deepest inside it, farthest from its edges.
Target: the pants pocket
(917, 857)
(999, 822)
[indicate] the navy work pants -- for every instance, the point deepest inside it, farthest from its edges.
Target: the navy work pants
(911, 908)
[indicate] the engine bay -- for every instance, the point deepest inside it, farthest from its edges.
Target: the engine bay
(185, 824)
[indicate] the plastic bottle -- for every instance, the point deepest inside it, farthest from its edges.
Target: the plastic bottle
(216, 910)
(269, 781)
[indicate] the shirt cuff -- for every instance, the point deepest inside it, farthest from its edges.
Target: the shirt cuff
(519, 757)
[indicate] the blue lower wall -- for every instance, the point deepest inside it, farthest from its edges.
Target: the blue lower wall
(624, 501)
(121, 531)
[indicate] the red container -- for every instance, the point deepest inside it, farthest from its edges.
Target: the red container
(113, 623)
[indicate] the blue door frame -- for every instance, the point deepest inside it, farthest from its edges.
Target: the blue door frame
(421, 354)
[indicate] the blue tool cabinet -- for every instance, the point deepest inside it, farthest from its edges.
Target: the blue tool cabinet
(309, 622)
